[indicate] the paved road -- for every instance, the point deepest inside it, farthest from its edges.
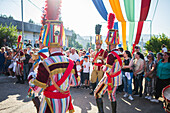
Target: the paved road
(13, 99)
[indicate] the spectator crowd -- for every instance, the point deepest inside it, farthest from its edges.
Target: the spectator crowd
(151, 70)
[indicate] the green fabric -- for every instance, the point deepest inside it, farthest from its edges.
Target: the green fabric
(163, 70)
(130, 13)
(131, 32)
(130, 9)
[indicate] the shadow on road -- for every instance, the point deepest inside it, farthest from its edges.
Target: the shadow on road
(8, 88)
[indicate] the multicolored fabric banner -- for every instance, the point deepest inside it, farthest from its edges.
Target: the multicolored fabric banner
(118, 12)
(101, 8)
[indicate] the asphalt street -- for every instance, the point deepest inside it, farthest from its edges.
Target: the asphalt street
(13, 99)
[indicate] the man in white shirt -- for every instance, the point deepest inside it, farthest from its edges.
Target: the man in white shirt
(164, 49)
(74, 56)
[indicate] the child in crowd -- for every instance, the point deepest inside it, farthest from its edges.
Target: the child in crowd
(79, 69)
(86, 70)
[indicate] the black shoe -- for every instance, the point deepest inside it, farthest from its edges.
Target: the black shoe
(91, 93)
(22, 80)
(113, 105)
(18, 79)
(99, 103)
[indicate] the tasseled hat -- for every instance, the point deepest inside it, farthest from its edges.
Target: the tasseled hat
(19, 42)
(98, 38)
(53, 28)
(112, 35)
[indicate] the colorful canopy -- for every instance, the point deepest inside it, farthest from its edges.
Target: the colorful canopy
(129, 6)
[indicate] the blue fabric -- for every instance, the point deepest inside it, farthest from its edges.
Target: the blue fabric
(116, 25)
(101, 8)
(127, 83)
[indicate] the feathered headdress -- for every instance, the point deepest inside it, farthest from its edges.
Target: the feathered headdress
(19, 38)
(111, 20)
(98, 29)
(112, 35)
(19, 43)
(53, 28)
(52, 9)
(98, 38)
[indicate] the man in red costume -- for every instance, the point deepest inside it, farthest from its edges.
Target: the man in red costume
(112, 77)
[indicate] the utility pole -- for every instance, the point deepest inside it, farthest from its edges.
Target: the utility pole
(90, 41)
(22, 21)
(150, 29)
(142, 45)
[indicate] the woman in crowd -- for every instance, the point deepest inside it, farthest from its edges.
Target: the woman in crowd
(127, 75)
(159, 57)
(150, 77)
(163, 74)
(138, 73)
(3, 55)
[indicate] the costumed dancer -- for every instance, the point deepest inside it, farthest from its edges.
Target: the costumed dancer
(19, 57)
(112, 77)
(98, 61)
(38, 58)
(57, 72)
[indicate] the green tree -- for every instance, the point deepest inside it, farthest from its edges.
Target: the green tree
(72, 41)
(31, 21)
(87, 46)
(10, 33)
(155, 43)
(93, 46)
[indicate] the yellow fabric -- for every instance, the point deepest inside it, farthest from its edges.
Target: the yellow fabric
(109, 66)
(96, 74)
(38, 83)
(117, 10)
(78, 79)
(64, 37)
(115, 4)
(60, 70)
(124, 35)
(57, 63)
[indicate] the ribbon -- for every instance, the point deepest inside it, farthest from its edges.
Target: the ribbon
(22, 65)
(117, 10)
(98, 54)
(100, 8)
(130, 13)
(131, 33)
(145, 5)
(116, 25)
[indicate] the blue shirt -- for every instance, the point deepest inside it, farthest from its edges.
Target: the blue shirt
(163, 70)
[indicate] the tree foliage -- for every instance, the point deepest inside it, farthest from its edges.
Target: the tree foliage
(72, 41)
(10, 33)
(4, 16)
(31, 21)
(155, 43)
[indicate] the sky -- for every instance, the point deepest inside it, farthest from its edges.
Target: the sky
(82, 16)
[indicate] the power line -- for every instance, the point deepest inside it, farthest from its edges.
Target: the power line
(34, 5)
